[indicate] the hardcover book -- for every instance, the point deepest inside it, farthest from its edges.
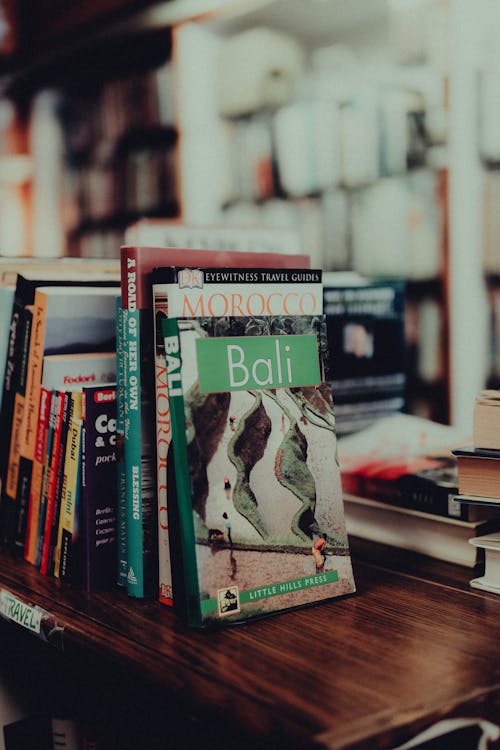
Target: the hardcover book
(486, 420)
(199, 292)
(138, 348)
(258, 510)
(478, 471)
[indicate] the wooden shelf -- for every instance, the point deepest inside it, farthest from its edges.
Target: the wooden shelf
(366, 671)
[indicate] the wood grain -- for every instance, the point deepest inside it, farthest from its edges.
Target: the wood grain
(334, 675)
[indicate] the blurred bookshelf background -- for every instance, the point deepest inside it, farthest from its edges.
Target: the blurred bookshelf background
(369, 126)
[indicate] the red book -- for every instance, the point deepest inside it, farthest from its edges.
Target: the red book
(37, 475)
(52, 481)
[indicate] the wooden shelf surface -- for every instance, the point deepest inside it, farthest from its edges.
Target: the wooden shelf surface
(358, 672)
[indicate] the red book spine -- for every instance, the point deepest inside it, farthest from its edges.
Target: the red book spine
(51, 488)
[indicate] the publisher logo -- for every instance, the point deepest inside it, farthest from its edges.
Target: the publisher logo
(131, 578)
(228, 601)
(190, 278)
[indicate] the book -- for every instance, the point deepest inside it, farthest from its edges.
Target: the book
(486, 420)
(258, 503)
(478, 471)
(65, 319)
(98, 497)
(490, 580)
(12, 414)
(46, 502)
(406, 461)
(175, 233)
(137, 264)
(6, 302)
(68, 548)
(366, 340)
(195, 292)
(434, 536)
(33, 514)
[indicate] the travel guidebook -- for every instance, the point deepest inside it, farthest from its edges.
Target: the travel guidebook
(194, 292)
(259, 522)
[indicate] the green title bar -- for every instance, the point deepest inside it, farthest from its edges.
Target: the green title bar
(254, 362)
(277, 589)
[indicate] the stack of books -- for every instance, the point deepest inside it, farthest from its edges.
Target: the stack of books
(479, 481)
(400, 485)
(479, 463)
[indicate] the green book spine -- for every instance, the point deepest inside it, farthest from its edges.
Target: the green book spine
(182, 475)
(133, 454)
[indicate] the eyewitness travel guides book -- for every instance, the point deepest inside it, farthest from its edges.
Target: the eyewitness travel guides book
(195, 292)
(259, 521)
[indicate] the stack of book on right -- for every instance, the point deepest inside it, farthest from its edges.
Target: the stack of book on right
(400, 483)
(479, 481)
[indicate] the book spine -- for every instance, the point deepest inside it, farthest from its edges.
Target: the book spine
(54, 406)
(37, 476)
(183, 510)
(139, 441)
(431, 499)
(52, 481)
(9, 382)
(63, 567)
(163, 438)
(98, 487)
(68, 408)
(27, 435)
(17, 338)
(121, 510)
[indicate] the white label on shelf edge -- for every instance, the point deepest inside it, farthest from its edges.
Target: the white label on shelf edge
(12, 608)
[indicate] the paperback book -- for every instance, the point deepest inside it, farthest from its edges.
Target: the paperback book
(258, 509)
(366, 340)
(98, 487)
(199, 292)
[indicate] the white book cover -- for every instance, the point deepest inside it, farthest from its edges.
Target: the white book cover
(63, 371)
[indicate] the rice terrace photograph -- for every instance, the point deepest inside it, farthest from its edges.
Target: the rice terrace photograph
(266, 495)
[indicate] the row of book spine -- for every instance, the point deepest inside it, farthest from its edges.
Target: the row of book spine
(120, 494)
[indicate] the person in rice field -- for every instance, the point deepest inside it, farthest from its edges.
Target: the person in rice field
(228, 528)
(318, 552)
